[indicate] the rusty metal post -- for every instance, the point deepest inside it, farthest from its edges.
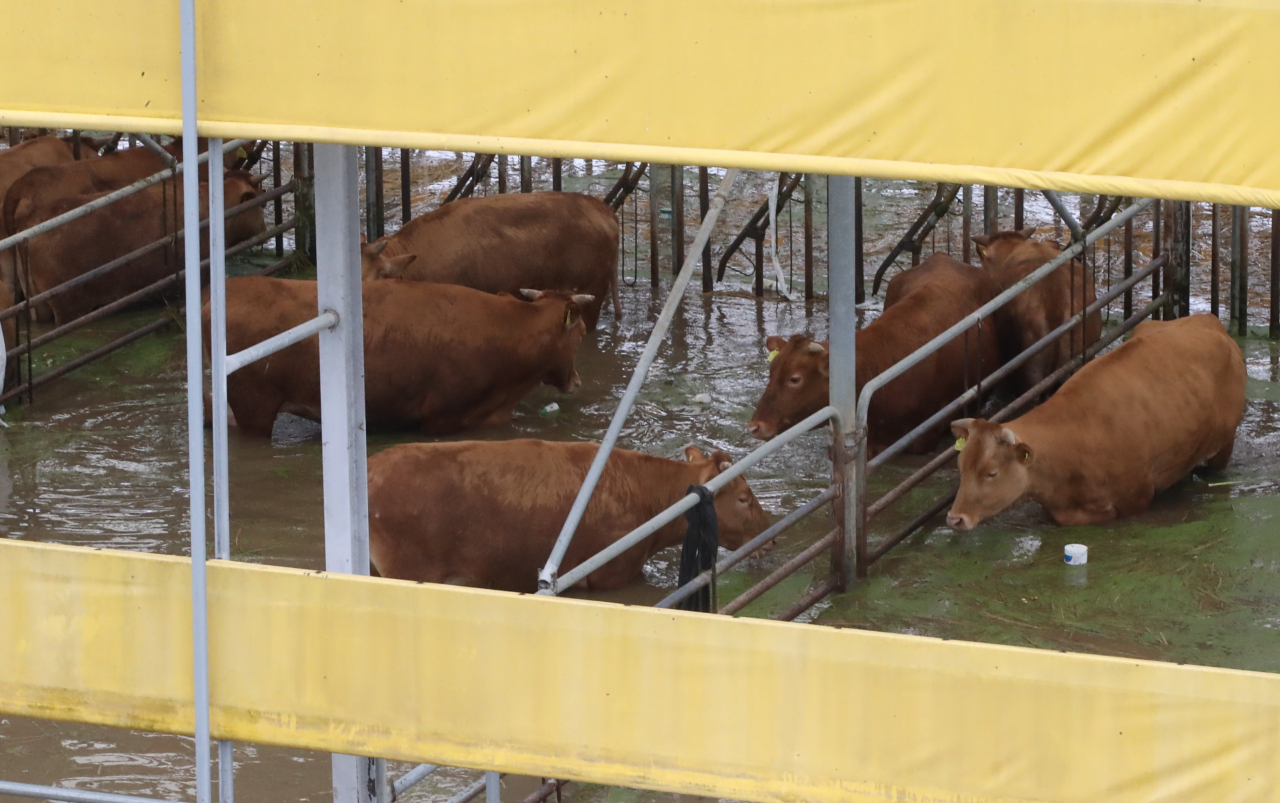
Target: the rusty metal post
(1019, 208)
(1215, 260)
(15, 135)
(75, 145)
(1128, 267)
(966, 227)
(858, 276)
(374, 226)
(809, 185)
(557, 175)
(704, 205)
(677, 218)
(1242, 273)
(1179, 265)
(654, 222)
(758, 287)
(277, 204)
(303, 201)
(990, 209)
(526, 174)
(502, 173)
(406, 186)
(1157, 243)
(1274, 330)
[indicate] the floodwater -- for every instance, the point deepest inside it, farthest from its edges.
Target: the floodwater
(99, 460)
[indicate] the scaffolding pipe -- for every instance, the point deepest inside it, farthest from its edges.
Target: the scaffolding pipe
(1077, 233)
(411, 778)
(781, 573)
(547, 579)
(69, 795)
(155, 148)
(234, 362)
(582, 570)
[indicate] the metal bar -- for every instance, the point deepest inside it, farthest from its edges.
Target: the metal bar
(1180, 258)
(547, 577)
(69, 795)
(742, 553)
(545, 791)
(966, 225)
(526, 174)
(889, 543)
(1157, 242)
(809, 184)
(503, 166)
(1077, 233)
(155, 148)
(411, 778)
(492, 788)
(557, 175)
(781, 573)
(278, 205)
(1128, 265)
(383, 793)
(234, 362)
(990, 209)
(704, 205)
(914, 237)
(1242, 320)
(654, 222)
(676, 510)
(406, 186)
(677, 217)
(902, 366)
(1012, 365)
(810, 599)
(757, 286)
(859, 258)
(843, 290)
(85, 359)
(1019, 208)
(1215, 259)
(470, 792)
(110, 198)
(1274, 330)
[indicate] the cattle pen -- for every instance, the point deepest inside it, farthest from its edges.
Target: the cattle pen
(370, 669)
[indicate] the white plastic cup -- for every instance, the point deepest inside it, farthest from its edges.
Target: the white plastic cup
(1076, 554)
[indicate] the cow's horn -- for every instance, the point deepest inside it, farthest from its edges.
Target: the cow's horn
(982, 239)
(532, 295)
(1026, 231)
(376, 247)
(258, 179)
(582, 299)
(816, 348)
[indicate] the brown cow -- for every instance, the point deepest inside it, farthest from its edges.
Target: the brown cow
(920, 303)
(500, 244)
(1128, 424)
(487, 513)
(117, 229)
(1010, 256)
(16, 162)
(438, 357)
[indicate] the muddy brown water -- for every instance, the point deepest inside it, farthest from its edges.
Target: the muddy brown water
(99, 460)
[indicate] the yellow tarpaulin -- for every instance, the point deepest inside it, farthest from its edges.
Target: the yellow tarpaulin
(693, 703)
(1163, 98)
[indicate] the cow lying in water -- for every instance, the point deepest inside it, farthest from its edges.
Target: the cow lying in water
(1128, 424)
(437, 357)
(1010, 256)
(488, 513)
(919, 304)
(551, 240)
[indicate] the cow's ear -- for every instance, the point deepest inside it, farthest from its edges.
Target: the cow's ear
(1023, 453)
(960, 427)
(375, 248)
(394, 267)
(693, 454)
(721, 459)
(775, 343)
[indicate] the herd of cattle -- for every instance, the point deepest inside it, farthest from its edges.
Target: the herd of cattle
(471, 306)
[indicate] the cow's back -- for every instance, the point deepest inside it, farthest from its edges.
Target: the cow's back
(502, 243)
(15, 163)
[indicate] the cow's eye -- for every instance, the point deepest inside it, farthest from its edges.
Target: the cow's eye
(742, 500)
(795, 379)
(990, 475)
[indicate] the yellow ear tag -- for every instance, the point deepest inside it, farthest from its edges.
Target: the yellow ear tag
(960, 444)
(242, 153)
(772, 355)
(1026, 457)
(568, 319)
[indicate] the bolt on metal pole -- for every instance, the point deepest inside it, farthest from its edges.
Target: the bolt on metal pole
(342, 427)
(843, 294)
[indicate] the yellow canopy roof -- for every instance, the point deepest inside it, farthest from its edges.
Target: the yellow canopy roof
(1168, 98)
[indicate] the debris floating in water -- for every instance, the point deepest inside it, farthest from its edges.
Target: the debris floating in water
(1076, 554)
(702, 398)
(550, 408)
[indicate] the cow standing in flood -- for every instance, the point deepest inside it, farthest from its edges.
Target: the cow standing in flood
(1128, 424)
(488, 513)
(1011, 256)
(920, 304)
(436, 357)
(500, 244)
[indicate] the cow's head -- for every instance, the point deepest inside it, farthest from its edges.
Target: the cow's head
(564, 310)
(374, 264)
(738, 512)
(994, 249)
(994, 466)
(798, 387)
(241, 186)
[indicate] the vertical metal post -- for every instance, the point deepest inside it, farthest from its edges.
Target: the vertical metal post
(757, 287)
(15, 135)
(1128, 267)
(342, 427)
(502, 173)
(704, 205)
(1180, 260)
(75, 145)
(195, 405)
(966, 227)
(677, 217)
(1157, 244)
(859, 281)
(843, 294)
(1242, 298)
(277, 206)
(1019, 208)
(1215, 260)
(557, 175)
(526, 174)
(406, 186)
(990, 209)
(1233, 300)
(492, 788)
(810, 186)
(304, 200)
(1274, 331)
(654, 222)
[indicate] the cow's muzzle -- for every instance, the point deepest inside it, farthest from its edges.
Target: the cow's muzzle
(961, 522)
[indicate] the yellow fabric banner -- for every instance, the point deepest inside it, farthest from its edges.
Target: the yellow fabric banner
(1165, 98)
(692, 703)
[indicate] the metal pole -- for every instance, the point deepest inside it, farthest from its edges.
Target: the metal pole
(302, 200)
(526, 174)
(704, 205)
(990, 209)
(492, 788)
(1242, 321)
(843, 293)
(1157, 243)
(278, 204)
(502, 173)
(1019, 208)
(195, 411)
(966, 226)
(557, 175)
(406, 186)
(1128, 267)
(1215, 260)
(1180, 260)
(758, 286)
(15, 136)
(809, 187)
(677, 217)
(654, 221)
(547, 577)
(1275, 275)
(342, 427)
(859, 278)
